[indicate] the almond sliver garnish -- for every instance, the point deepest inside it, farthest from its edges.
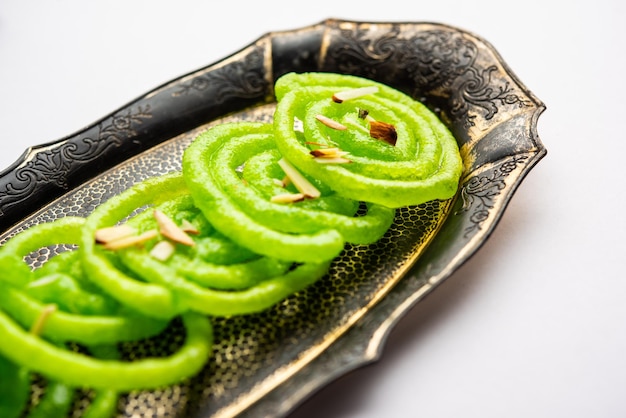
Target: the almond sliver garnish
(282, 183)
(328, 153)
(354, 93)
(288, 198)
(189, 228)
(112, 233)
(383, 131)
(40, 322)
(131, 240)
(333, 160)
(301, 183)
(331, 123)
(169, 229)
(162, 250)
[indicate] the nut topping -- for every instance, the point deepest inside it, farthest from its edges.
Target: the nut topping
(354, 93)
(301, 183)
(288, 198)
(169, 229)
(383, 131)
(189, 228)
(333, 124)
(40, 322)
(131, 240)
(112, 233)
(162, 250)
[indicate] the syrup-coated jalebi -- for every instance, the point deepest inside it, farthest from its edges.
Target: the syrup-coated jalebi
(43, 309)
(164, 288)
(237, 201)
(257, 214)
(21, 298)
(424, 164)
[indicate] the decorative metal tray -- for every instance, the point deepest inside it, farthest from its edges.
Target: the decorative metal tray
(266, 364)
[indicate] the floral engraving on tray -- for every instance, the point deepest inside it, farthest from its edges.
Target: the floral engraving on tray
(439, 62)
(54, 165)
(241, 78)
(358, 53)
(480, 193)
(122, 126)
(479, 89)
(436, 58)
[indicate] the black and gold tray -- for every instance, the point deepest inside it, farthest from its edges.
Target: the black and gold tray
(266, 364)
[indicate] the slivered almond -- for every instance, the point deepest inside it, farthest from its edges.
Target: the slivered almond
(282, 183)
(189, 228)
(131, 240)
(328, 152)
(162, 250)
(41, 320)
(330, 155)
(111, 233)
(334, 160)
(354, 93)
(169, 229)
(301, 183)
(331, 123)
(288, 198)
(321, 152)
(383, 131)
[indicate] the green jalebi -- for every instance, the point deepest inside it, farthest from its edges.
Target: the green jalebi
(257, 214)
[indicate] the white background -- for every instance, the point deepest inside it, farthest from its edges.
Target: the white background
(535, 324)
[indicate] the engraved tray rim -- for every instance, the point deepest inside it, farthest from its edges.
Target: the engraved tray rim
(501, 106)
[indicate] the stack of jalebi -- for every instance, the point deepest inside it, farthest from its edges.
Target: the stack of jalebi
(257, 214)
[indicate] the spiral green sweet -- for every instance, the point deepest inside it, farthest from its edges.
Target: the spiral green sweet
(79, 370)
(109, 324)
(237, 201)
(246, 250)
(423, 165)
(101, 266)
